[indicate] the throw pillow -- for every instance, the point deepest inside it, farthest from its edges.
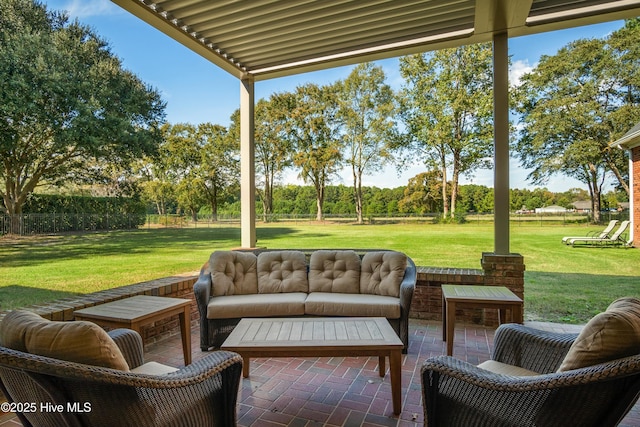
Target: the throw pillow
(610, 335)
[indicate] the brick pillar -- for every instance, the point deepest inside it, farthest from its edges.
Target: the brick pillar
(504, 270)
(634, 215)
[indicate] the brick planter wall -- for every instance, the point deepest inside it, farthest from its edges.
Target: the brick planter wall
(427, 300)
(497, 270)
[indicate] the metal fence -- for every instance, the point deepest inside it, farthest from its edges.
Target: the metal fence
(34, 224)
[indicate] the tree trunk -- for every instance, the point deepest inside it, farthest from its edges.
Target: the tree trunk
(445, 198)
(454, 185)
(621, 180)
(357, 193)
(214, 203)
(266, 199)
(594, 191)
(319, 200)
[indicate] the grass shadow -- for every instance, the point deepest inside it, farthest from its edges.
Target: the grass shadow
(16, 296)
(41, 249)
(573, 297)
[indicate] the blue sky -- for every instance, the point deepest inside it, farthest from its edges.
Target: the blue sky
(197, 91)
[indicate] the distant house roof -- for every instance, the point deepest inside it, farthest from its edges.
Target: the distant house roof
(582, 205)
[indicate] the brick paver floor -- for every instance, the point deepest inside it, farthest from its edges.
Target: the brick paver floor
(341, 391)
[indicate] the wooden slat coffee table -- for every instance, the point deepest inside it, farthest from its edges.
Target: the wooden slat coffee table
(139, 310)
(476, 296)
(321, 337)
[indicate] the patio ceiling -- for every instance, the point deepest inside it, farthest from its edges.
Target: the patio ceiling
(263, 39)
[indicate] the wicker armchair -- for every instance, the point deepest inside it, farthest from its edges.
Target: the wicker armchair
(201, 394)
(456, 393)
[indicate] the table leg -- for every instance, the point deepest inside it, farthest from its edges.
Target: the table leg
(502, 315)
(450, 326)
(245, 366)
(382, 368)
(516, 312)
(444, 319)
(395, 371)
(185, 332)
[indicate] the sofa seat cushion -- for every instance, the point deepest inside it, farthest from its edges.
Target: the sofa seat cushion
(282, 271)
(332, 304)
(610, 335)
(506, 369)
(334, 271)
(382, 273)
(257, 305)
(79, 341)
(233, 273)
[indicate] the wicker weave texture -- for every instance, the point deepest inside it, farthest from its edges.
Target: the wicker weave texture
(203, 393)
(456, 393)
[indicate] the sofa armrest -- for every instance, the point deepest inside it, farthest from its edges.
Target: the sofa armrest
(408, 285)
(529, 348)
(202, 288)
(130, 344)
(202, 293)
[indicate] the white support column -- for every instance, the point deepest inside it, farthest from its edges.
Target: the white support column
(501, 142)
(247, 165)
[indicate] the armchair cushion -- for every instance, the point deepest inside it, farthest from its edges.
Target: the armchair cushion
(506, 369)
(282, 271)
(233, 273)
(610, 335)
(382, 272)
(334, 271)
(78, 341)
(154, 368)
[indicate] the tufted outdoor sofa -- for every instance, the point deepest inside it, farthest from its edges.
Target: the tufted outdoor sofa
(295, 283)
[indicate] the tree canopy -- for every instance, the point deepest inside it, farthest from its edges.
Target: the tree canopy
(66, 104)
(574, 104)
(448, 109)
(368, 108)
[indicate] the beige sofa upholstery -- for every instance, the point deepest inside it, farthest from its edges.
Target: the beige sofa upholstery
(285, 283)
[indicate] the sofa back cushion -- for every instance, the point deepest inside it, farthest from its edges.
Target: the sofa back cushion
(382, 273)
(334, 271)
(610, 335)
(233, 273)
(79, 341)
(282, 271)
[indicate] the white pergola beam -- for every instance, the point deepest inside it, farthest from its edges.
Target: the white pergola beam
(501, 143)
(247, 164)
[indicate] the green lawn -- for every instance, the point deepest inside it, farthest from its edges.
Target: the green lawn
(561, 283)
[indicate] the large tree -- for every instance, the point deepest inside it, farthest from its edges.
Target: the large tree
(313, 129)
(65, 103)
(448, 109)
(367, 110)
(219, 167)
(272, 147)
(202, 163)
(574, 104)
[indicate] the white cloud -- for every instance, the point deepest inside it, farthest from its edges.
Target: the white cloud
(518, 69)
(86, 8)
